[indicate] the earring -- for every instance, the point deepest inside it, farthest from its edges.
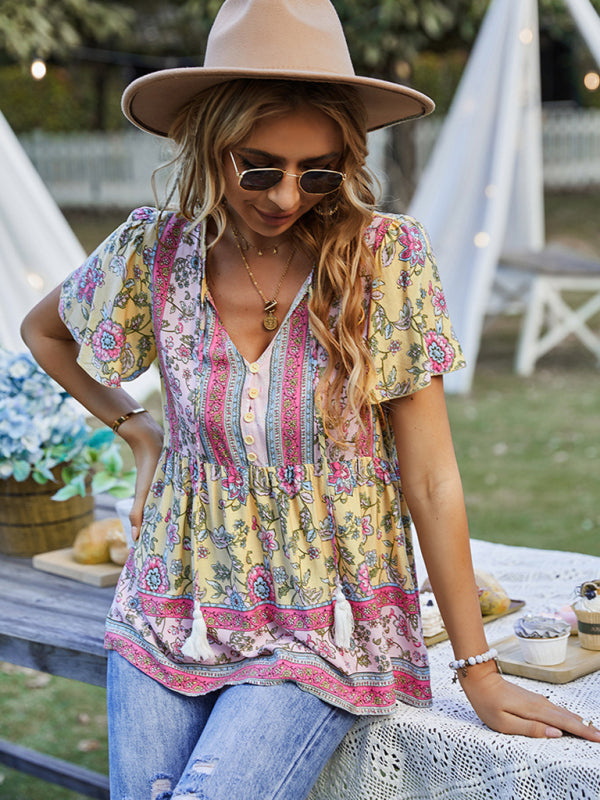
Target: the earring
(324, 213)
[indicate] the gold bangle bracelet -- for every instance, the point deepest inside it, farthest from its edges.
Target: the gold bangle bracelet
(118, 422)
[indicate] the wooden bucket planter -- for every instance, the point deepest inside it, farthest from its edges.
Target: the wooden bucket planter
(31, 522)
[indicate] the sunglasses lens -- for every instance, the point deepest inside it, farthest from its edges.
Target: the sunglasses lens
(257, 180)
(320, 181)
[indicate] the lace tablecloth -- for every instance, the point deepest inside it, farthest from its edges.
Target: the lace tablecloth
(446, 752)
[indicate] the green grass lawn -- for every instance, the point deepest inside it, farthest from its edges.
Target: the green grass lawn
(64, 718)
(529, 453)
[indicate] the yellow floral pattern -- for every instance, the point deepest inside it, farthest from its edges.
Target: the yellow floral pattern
(261, 549)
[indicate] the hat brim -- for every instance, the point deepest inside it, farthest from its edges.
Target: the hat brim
(153, 101)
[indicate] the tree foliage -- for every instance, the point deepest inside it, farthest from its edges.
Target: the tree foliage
(46, 28)
(383, 35)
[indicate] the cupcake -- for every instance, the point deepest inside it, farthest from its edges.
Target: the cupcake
(430, 615)
(587, 611)
(542, 639)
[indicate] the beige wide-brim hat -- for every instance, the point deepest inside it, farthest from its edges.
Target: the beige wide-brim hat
(270, 39)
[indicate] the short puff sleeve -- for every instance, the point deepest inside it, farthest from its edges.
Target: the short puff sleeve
(410, 334)
(106, 304)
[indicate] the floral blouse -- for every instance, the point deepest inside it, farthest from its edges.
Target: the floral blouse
(254, 515)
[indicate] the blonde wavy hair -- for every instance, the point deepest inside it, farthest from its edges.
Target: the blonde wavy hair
(219, 120)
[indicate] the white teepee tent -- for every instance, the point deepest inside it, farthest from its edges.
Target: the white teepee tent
(482, 190)
(38, 249)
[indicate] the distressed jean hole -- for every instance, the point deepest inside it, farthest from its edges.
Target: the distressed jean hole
(190, 787)
(203, 767)
(161, 787)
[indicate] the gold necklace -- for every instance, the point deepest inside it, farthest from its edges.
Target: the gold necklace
(246, 244)
(270, 322)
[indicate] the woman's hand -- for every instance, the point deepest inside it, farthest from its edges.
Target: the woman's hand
(508, 708)
(145, 437)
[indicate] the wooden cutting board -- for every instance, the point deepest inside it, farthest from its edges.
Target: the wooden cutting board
(577, 663)
(61, 562)
(515, 605)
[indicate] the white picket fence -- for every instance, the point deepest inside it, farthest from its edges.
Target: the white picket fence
(95, 170)
(571, 147)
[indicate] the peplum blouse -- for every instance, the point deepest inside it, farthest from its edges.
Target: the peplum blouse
(255, 516)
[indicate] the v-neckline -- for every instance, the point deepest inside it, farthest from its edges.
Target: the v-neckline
(295, 303)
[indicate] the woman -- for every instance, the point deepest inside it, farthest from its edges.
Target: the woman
(271, 598)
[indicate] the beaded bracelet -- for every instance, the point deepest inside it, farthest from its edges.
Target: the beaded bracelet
(463, 664)
(118, 422)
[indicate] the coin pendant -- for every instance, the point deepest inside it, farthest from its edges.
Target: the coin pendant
(270, 321)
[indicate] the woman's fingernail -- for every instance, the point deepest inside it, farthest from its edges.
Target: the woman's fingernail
(553, 733)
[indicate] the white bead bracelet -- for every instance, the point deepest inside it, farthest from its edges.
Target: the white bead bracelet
(464, 663)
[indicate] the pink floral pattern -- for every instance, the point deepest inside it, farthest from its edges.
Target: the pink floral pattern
(89, 279)
(439, 302)
(260, 585)
(153, 576)
(414, 246)
(441, 352)
(108, 340)
(262, 548)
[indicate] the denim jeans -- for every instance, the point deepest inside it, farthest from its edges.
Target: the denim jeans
(242, 742)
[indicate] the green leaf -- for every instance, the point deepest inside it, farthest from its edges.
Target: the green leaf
(21, 470)
(42, 474)
(112, 460)
(122, 491)
(101, 438)
(68, 473)
(103, 482)
(66, 493)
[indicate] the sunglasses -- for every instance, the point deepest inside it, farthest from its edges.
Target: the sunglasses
(312, 181)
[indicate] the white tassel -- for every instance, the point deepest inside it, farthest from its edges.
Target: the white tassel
(196, 646)
(343, 619)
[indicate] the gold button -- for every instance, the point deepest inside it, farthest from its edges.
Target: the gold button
(253, 393)
(252, 456)
(249, 439)
(254, 367)
(248, 416)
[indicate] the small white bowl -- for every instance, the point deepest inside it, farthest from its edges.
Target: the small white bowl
(544, 652)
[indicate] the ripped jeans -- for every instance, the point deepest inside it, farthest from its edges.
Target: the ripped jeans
(243, 742)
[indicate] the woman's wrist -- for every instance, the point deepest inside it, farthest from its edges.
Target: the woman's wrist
(141, 429)
(466, 672)
(116, 424)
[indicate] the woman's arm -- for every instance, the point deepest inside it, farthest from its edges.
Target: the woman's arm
(54, 349)
(432, 487)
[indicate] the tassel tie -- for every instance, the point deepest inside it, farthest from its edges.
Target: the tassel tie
(343, 619)
(196, 646)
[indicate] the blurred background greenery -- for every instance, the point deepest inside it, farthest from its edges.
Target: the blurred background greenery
(92, 49)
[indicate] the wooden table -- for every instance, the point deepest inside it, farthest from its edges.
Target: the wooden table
(35, 632)
(400, 756)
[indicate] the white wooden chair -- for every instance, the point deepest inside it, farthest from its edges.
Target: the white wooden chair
(549, 319)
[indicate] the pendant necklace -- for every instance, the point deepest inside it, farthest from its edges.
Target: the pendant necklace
(270, 321)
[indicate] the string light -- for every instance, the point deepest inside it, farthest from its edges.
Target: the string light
(526, 36)
(481, 239)
(38, 69)
(591, 81)
(35, 281)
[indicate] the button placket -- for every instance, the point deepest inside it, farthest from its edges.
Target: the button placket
(249, 415)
